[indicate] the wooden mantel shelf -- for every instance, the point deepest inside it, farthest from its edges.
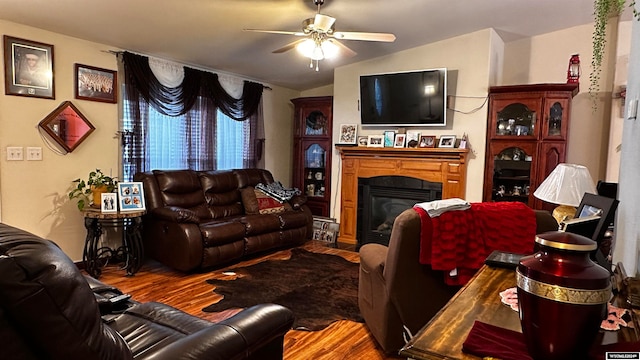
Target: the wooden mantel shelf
(443, 165)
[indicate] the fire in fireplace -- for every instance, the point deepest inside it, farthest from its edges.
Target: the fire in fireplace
(382, 198)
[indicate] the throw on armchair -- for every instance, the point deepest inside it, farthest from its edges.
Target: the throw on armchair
(49, 311)
(396, 291)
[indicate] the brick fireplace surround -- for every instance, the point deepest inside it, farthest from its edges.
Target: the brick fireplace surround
(441, 165)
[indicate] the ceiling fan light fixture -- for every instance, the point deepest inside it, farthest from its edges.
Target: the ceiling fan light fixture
(310, 49)
(329, 49)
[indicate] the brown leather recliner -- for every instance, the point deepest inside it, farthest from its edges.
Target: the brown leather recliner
(396, 291)
(49, 311)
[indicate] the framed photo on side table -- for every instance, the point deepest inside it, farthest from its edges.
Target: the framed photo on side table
(447, 141)
(96, 84)
(131, 195)
(109, 203)
(348, 134)
(363, 140)
(28, 68)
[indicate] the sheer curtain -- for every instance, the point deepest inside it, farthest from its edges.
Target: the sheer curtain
(176, 117)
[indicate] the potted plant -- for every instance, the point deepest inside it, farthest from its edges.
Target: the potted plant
(95, 185)
(602, 11)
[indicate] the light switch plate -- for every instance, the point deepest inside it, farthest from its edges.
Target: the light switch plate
(14, 153)
(34, 153)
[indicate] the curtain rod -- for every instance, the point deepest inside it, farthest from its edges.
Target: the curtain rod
(114, 52)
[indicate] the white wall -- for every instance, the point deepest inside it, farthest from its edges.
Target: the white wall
(33, 194)
(319, 91)
(468, 60)
(627, 232)
(278, 128)
(617, 106)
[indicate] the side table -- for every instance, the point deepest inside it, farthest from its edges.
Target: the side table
(131, 252)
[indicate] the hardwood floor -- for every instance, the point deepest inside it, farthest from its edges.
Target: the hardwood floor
(190, 293)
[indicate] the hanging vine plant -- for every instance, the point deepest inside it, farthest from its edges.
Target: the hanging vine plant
(603, 10)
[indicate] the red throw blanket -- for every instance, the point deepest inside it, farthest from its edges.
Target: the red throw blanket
(463, 239)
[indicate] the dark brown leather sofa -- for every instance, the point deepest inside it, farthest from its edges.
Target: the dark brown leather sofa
(198, 219)
(49, 311)
(396, 291)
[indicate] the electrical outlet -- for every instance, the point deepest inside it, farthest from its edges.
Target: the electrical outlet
(34, 153)
(14, 153)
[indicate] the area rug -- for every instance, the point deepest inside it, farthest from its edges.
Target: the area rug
(318, 288)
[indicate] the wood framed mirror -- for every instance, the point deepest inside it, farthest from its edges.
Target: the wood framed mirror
(67, 126)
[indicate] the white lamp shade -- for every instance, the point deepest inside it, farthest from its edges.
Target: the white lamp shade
(566, 185)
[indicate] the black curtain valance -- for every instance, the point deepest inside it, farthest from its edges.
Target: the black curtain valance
(178, 100)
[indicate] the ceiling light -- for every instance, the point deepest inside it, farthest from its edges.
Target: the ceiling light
(329, 49)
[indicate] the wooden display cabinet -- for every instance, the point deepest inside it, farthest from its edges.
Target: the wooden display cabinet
(526, 138)
(312, 140)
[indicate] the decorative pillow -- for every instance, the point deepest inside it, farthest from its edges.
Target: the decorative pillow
(257, 202)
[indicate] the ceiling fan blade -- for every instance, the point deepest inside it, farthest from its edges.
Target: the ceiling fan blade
(344, 50)
(323, 23)
(365, 36)
(288, 47)
(296, 33)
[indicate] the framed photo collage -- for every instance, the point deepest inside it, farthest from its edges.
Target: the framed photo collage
(130, 197)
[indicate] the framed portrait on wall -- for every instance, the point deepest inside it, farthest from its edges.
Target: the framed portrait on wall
(96, 84)
(28, 68)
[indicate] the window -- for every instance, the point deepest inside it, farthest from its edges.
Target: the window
(187, 121)
(232, 152)
(171, 138)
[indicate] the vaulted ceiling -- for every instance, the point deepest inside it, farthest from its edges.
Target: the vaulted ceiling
(208, 34)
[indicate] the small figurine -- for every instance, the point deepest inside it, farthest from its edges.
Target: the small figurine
(501, 190)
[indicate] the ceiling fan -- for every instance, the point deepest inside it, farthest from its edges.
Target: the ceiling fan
(321, 40)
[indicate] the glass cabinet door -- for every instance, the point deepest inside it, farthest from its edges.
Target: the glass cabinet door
(511, 175)
(516, 120)
(511, 118)
(315, 123)
(555, 118)
(315, 170)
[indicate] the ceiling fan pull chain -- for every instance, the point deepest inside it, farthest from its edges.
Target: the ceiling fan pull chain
(317, 66)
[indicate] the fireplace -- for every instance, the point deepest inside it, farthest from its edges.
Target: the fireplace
(446, 166)
(382, 198)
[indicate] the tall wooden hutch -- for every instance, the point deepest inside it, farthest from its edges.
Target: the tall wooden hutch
(312, 131)
(526, 138)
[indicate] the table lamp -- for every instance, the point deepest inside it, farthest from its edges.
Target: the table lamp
(565, 186)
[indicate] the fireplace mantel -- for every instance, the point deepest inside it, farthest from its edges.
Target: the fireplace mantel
(443, 165)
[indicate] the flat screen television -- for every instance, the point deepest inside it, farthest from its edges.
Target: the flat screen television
(412, 98)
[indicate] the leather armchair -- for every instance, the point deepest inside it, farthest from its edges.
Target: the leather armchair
(398, 295)
(49, 310)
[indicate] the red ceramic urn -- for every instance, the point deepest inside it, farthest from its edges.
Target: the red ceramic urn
(562, 296)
